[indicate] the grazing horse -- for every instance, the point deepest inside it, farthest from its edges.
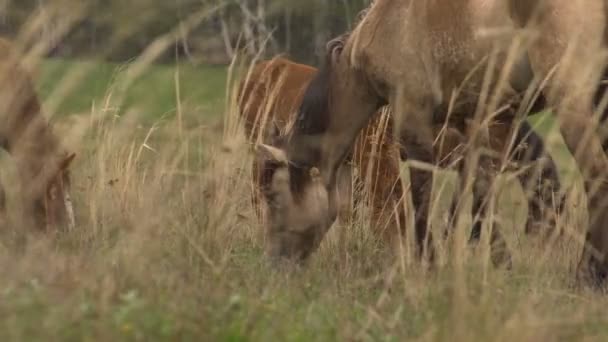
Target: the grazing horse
(424, 56)
(268, 98)
(42, 163)
(273, 91)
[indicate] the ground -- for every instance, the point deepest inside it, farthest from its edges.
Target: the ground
(167, 247)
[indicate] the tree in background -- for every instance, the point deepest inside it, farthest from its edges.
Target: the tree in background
(300, 28)
(122, 29)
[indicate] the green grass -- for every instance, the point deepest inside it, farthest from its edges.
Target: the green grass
(202, 88)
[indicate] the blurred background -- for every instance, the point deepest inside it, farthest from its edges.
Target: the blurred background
(299, 28)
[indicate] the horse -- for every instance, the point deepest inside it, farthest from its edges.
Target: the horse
(273, 91)
(42, 162)
(444, 49)
(268, 98)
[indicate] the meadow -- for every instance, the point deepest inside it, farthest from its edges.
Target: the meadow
(168, 248)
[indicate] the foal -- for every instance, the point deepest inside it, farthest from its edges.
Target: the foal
(42, 163)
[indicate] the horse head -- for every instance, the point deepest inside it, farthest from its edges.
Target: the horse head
(53, 202)
(303, 168)
(298, 203)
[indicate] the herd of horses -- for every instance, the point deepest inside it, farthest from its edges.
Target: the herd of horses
(268, 98)
(430, 81)
(472, 65)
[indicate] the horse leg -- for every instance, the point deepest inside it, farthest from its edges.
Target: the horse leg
(499, 251)
(593, 163)
(482, 183)
(481, 186)
(416, 133)
(575, 47)
(542, 188)
(537, 174)
(544, 198)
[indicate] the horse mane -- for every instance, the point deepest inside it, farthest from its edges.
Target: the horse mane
(312, 117)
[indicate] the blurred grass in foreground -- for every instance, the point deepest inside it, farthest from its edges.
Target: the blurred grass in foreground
(167, 248)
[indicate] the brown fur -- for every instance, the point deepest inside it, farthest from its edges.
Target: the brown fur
(271, 94)
(571, 43)
(24, 132)
(375, 154)
(415, 56)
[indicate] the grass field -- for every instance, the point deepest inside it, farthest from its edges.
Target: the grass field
(167, 247)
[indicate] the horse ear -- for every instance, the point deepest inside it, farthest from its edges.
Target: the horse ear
(335, 46)
(65, 162)
(267, 152)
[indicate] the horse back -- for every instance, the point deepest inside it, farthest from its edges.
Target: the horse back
(272, 90)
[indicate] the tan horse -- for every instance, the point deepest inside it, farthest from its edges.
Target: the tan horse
(42, 163)
(416, 55)
(272, 92)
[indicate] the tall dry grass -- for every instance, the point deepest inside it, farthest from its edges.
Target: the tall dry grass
(167, 247)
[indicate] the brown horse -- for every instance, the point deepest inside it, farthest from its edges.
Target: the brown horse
(268, 99)
(42, 163)
(442, 50)
(378, 163)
